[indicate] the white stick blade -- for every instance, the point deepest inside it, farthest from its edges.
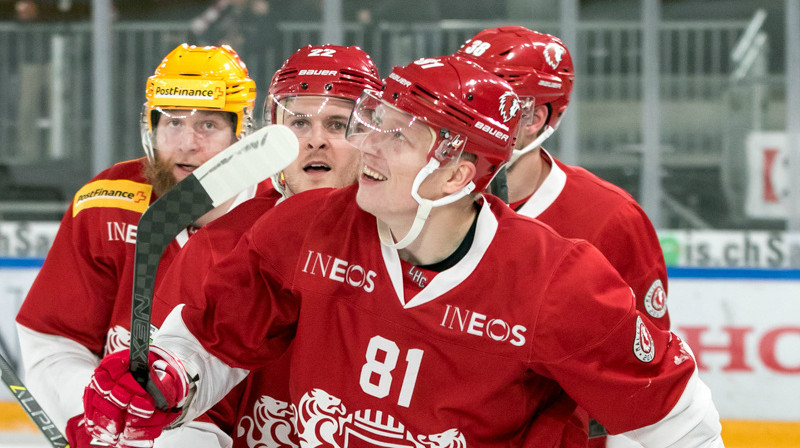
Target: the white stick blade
(250, 160)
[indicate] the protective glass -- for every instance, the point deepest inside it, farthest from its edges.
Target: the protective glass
(376, 122)
(174, 123)
(302, 113)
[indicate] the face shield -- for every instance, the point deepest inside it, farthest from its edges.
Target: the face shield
(526, 118)
(170, 125)
(306, 115)
(302, 113)
(382, 127)
(376, 123)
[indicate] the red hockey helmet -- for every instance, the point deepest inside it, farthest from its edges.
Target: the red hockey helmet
(537, 65)
(322, 70)
(470, 109)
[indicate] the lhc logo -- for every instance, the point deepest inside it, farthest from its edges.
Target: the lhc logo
(643, 342)
(655, 301)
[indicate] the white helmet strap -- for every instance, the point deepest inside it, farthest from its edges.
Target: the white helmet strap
(537, 142)
(423, 209)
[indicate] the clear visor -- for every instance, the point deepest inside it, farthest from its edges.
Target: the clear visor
(173, 125)
(376, 123)
(304, 114)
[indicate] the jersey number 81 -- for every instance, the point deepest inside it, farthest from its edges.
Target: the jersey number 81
(382, 370)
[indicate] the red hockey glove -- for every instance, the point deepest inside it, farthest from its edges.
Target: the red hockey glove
(77, 433)
(120, 412)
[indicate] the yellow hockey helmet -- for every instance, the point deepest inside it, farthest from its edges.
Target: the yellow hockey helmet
(208, 78)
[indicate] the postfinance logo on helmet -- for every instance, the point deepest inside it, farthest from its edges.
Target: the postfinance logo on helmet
(189, 93)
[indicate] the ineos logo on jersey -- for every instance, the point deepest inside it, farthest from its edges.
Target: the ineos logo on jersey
(478, 324)
(121, 231)
(339, 270)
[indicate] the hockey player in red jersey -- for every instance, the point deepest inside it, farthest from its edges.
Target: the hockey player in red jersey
(314, 96)
(421, 313)
(79, 307)
(575, 202)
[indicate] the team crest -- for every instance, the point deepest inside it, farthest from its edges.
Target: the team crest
(119, 338)
(323, 420)
(643, 346)
(509, 106)
(655, 301)
(271, 424)
(553, 53)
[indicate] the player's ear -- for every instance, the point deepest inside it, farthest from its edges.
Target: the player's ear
(537, 122)
(461, 174)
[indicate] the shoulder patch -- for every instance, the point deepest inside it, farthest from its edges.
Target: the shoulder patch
(117, 193)
(655, 301)
(643, 346)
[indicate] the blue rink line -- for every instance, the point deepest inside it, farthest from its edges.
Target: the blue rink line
(734, 273)
(19, 263)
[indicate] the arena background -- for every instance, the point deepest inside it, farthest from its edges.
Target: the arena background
(691, 106)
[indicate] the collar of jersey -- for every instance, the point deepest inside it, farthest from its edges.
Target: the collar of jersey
(449, 278)
(548, 192)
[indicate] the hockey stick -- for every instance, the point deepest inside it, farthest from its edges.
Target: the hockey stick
(31, 406)
(246, 162)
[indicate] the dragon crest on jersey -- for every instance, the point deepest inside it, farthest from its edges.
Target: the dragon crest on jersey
(323, 420)
(271, 424)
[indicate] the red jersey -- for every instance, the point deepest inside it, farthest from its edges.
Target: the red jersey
(470, 360)
(257, 412)
(83, 291)
(578, 204)
(79, 307)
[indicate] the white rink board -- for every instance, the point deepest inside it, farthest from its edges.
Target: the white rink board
(14, 284)
(754, 323)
